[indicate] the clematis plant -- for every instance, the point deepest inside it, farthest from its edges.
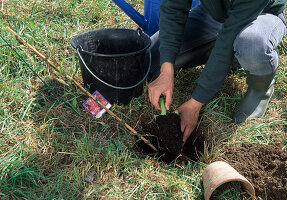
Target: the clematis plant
(162, 106)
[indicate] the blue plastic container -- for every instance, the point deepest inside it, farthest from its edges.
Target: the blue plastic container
(148, 22)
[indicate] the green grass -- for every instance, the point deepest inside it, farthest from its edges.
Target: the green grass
(51, 148)
(230, 191)
(284, 143)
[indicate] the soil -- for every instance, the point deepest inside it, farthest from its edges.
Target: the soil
(265, 166)
(169, 133)
(165, 134)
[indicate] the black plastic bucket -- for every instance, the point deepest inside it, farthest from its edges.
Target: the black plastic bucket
(114, 61)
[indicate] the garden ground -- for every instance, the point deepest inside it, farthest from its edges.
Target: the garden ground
(52, 148)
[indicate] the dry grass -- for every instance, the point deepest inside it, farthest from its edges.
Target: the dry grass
(51, 148)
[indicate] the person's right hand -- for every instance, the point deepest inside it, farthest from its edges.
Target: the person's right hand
(162, 85)
(189, 112)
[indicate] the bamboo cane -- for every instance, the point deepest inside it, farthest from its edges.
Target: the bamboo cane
(55, 67)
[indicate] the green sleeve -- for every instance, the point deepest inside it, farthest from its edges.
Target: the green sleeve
(241, 13)
(173, 16)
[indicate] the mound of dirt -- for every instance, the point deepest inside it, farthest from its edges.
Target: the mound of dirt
(265, 166)
(165, 134)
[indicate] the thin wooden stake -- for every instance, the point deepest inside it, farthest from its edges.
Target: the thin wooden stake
(55, 67)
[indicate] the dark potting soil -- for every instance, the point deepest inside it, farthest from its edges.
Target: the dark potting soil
(169, 133)
(265, 166)
(165, 134)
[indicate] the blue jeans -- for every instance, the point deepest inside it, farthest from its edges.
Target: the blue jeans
(254, 46)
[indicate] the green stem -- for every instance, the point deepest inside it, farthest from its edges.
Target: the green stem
(162, 106)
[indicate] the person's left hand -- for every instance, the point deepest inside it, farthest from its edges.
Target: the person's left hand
(189, 112)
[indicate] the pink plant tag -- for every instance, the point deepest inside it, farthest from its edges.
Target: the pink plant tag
(94, 108)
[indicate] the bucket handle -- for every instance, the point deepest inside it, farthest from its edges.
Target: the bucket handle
(114, 86)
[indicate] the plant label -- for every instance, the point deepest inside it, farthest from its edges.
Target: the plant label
(94, 108)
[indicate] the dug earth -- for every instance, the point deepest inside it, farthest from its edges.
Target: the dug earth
(265, 166)
(165, 134)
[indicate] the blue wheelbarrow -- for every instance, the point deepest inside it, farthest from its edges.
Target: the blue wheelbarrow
(148, 22)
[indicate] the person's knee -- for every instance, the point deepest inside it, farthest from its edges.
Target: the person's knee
(250, 48)
(254, 53)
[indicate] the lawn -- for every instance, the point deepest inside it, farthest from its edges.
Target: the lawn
(52, 148)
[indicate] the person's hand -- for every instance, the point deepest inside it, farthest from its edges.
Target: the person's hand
(162, 85)
(189, 112)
